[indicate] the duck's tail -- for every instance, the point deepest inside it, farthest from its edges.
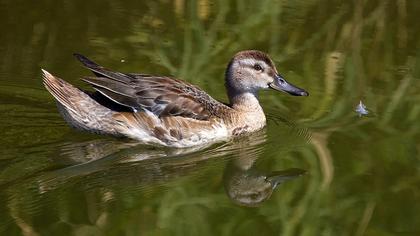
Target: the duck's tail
(78, 108)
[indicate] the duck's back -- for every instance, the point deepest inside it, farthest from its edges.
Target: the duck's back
(163, 96)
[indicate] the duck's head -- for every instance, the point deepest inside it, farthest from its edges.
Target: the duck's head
(252, 70)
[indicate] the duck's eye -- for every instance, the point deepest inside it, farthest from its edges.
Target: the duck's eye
(258, 67)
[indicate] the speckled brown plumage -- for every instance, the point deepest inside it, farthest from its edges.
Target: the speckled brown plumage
(167, 111)
(164, 96)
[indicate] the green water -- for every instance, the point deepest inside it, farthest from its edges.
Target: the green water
(362, 172)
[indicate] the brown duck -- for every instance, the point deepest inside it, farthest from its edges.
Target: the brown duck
(166, 111)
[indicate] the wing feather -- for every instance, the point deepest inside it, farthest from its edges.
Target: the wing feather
(164, 96)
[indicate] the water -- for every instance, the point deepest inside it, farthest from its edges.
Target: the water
(339, 173)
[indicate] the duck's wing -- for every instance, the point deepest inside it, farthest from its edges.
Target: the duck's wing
(164, 96)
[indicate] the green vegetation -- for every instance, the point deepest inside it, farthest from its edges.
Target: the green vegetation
(363, 172)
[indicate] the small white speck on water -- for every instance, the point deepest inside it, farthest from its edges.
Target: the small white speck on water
(122, 60)
(361, 109)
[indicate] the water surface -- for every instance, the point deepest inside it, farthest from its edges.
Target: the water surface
(318, 168)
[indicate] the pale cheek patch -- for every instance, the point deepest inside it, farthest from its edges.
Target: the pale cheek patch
(250, 62)
(271, 73)
(269, 79)
(264, 80)
(247, 62)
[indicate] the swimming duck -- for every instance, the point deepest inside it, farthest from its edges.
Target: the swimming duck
(166, 111)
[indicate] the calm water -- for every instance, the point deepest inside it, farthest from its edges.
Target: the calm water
(340, 173)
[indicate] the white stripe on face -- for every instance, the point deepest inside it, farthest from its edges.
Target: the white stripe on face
(250, 62)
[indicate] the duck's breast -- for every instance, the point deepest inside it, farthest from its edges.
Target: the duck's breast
(174, 131)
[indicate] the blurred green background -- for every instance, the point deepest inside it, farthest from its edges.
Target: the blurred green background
(363, 173)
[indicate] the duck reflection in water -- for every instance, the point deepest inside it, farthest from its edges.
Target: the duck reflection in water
(246, 185)
(105, 163)
(250, 187)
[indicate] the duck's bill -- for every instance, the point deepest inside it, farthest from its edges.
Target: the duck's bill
(280, 84)
(279, 177)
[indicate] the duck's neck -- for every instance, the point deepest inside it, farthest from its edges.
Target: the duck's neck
(247, 115)
(245, 101)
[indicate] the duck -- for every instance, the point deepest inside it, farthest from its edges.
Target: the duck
(165, 111)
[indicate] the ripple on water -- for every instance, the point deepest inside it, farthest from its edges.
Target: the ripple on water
(282, 127)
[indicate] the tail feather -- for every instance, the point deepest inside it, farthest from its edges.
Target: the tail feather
(60, 90)
(78, 108)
